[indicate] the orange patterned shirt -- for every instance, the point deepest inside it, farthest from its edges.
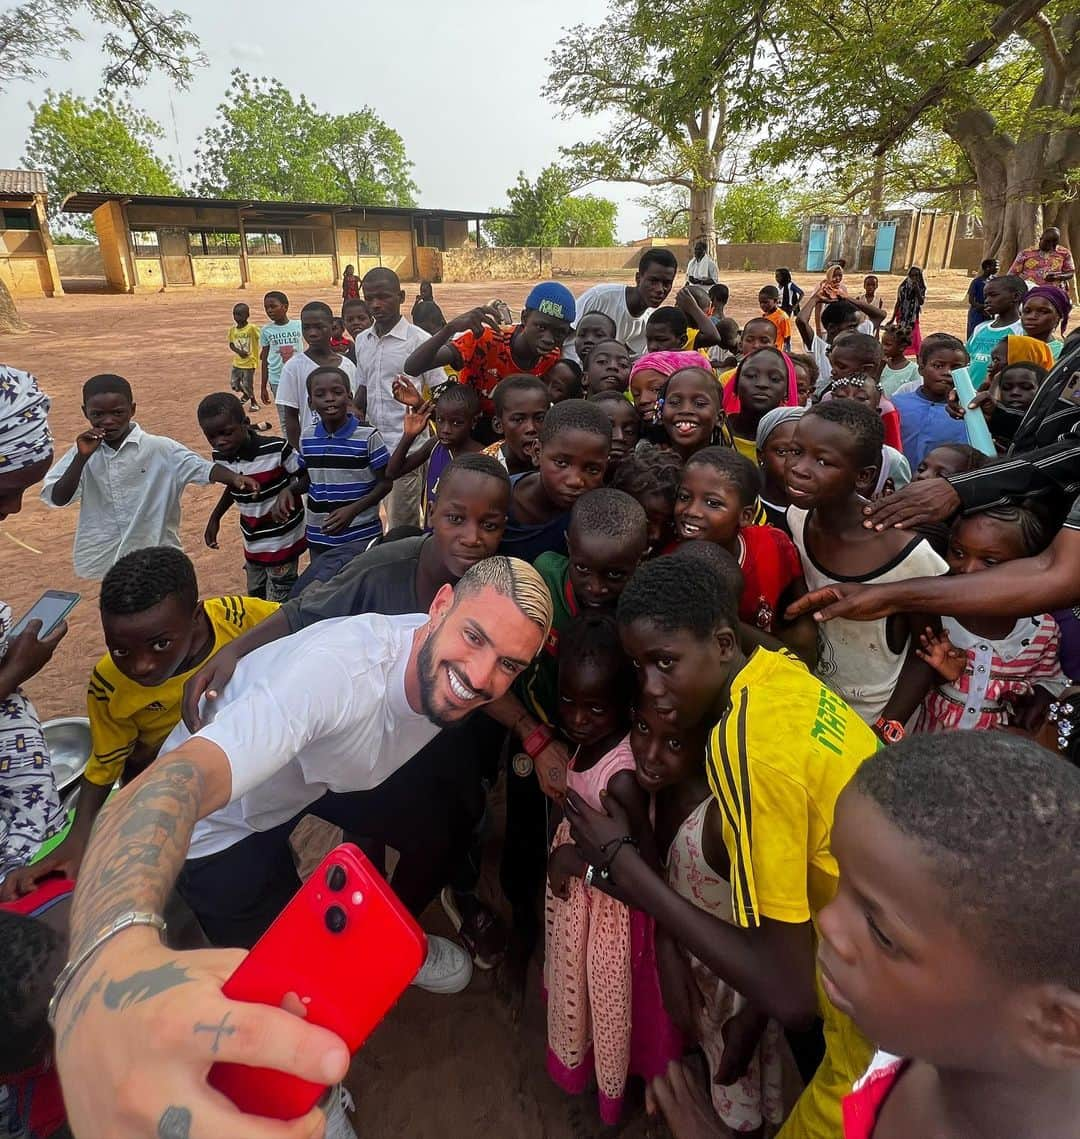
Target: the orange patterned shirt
(486, 359)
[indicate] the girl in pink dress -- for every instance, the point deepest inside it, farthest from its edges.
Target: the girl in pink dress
(605, 1013)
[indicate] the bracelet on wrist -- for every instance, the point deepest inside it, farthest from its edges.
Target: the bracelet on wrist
(538, 739)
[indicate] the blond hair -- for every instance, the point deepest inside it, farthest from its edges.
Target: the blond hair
(513, 578)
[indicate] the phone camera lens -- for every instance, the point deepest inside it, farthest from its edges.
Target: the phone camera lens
(335, 877)
(335, 919)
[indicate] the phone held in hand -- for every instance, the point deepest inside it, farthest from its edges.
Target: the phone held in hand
(50, 609)
(343, 950)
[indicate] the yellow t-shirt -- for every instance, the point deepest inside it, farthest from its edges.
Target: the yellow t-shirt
(777, 792)
(123, 713)
(247, 340)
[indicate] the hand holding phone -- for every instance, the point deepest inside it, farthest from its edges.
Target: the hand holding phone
(50, 609)
(340, 954)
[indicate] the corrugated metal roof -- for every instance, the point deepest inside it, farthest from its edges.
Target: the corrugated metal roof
(88, 201)
(22, 182)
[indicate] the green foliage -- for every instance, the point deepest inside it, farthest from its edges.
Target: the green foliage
(139, 40)
(757, 212)
(545, 213)
(667, 212)
(269, 145)
(105, 145)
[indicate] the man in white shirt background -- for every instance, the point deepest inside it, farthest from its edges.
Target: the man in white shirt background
(702, 269)
(381, 352)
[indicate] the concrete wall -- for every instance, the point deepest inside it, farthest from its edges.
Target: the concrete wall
(487, 264)
(224, 272)
(120, 273)
(456, 234)
(79, 261)
(148, 273)
(967, 253)
(274, 271)
(757, 256)
(26, 276)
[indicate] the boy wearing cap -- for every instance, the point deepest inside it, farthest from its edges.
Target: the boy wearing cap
(482, 351)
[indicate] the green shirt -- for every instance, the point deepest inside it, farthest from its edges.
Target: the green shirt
(538, 688)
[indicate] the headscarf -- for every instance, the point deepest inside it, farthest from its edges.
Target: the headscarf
(731, 399)
(24, 421)
(1057, 297)
(668, 363)
(771, 420)
(1028, 350)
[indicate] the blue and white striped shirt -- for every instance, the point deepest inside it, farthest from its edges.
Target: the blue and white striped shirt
(342, 466)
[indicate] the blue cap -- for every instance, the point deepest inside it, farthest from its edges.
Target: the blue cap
(552, 299)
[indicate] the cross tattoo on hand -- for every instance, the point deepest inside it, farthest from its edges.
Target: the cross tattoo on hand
(219, 1030)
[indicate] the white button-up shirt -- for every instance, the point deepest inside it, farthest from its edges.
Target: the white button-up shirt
(129, 498)
(703, 269)
(378, 360)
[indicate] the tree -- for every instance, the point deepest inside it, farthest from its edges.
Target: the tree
(544, 213)
(269, 145)
(680, 82)
(140, 40)
(756, 212)
(105, 145)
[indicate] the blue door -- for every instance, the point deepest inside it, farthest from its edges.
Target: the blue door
(883, 246)
(815, 249)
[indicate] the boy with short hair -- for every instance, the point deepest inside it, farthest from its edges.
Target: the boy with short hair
(608, 369)
(344, 471)
(590, 330)
(1002, 298)
(317, 322)
(976, 294)
(157, 634)
(128, 482)
(244, 346)
(279, 341)
(571, 459)
(769, 302)
(630, 306)
(356, 316)
(925, 422)
(665, 330)
(834, 317)
(521, 402)
(831, 471)
(272, 546)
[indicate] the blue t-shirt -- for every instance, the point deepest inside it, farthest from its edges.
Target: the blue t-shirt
(342, 469)
(528, 540)
(925, 425)
(275, 337)
(981, 344)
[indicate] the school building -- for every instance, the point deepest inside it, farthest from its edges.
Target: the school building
(158, 241)
(27, 261)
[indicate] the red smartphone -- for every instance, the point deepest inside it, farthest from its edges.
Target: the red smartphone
(347, 948)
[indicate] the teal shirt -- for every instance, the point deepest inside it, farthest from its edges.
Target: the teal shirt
(982, 344)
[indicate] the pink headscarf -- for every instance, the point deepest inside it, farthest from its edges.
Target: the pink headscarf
(668, 363)
(731, 400)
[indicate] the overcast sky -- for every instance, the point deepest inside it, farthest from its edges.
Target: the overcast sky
(469, 110)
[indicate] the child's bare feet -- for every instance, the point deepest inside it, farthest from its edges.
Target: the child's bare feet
(684, 1102)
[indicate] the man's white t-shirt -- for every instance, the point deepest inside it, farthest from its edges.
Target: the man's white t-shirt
(611, 300)
(321, 710)
(292, 388)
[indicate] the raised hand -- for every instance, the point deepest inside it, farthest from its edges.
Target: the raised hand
(941, 654)
(405, 391)
(89, 441)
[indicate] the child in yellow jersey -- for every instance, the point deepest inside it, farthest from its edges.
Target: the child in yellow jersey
(782, 746)
(158, 634)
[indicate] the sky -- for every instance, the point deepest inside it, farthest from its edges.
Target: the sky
(471, 114)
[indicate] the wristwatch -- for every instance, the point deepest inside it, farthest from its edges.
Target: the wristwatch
(891, 731)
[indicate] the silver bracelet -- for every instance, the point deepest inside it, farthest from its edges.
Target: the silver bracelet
(124, 921)
(589, 871)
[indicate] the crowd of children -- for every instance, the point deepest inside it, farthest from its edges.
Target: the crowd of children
(728, 864)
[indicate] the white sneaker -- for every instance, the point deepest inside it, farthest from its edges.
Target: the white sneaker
(337, 1122)
(448, 968)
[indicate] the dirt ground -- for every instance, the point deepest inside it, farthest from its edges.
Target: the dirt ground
(439, 1066)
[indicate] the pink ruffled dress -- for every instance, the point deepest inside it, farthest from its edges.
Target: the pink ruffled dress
(605, 1012)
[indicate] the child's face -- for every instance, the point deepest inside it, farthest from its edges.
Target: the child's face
(645, 387)
(820, 467)
(225, 434)
(763, 383)
(520, 423)
(1039, 318)
(708, 507)
(357, 320)
(572, 462)
(1018, 388)
(316, 328)
(660, 337)
(757, 334)
(660, 516)
(383, 300)
(940, 463)
(892, 954)
(543, 333)
(890, 344)
(425, 291)
(453, 424)
(589, 708)
(609, 368)
(329, 398)
(937, 372)
(276, 310)
(773, 455)
(682, 676)
(111, 414)
(859, 387)
(663, 755)
(979, 543)
(691, 409)
(600, 566)
(625, 429)
(591, 330)
(870, 285)
(150, 646)
(998, 297)
(999, 357)
(767, 303)
(241, 314)
(562, 382)
(337, 328)
(846, 363)
(804, 385)
(468, 519)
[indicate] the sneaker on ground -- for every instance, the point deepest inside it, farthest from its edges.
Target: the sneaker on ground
(448, 968)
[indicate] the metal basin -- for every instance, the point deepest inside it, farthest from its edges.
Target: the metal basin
(69, 746)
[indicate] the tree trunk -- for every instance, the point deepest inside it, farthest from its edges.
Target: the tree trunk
(10, 321)
(703, 216)
(877, 187)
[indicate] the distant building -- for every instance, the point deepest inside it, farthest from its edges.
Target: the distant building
(156, 241)
(27, 261)
(890, 243)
